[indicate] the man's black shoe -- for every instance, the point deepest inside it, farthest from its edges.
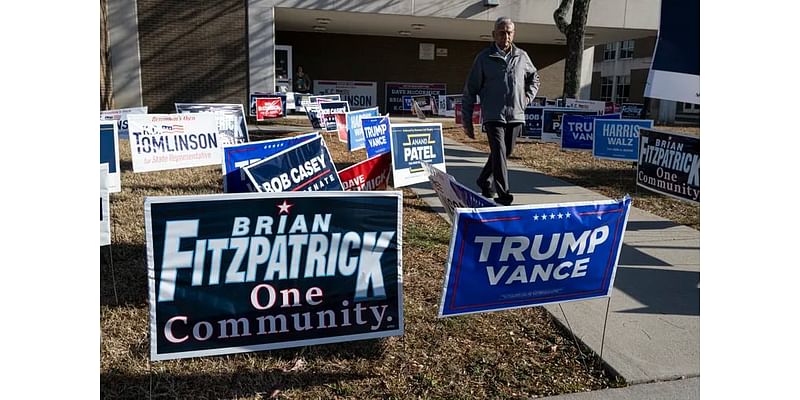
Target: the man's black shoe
(486, 191)
(504, 201)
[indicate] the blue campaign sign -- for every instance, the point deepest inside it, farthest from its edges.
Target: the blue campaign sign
(468, 197)
(533, 123)
(306, 166)
(355, 132)
(109, 153)
(234, 273)
(411, 145)
(577, 131)
(522, 256)
(618, 139)
(330, 108)
(235, 157)
(551, 121)
(376, 135)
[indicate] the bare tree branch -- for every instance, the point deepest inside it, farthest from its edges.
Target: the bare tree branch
(560, 16)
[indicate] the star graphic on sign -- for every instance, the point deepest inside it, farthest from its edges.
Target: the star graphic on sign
(568, 214)
(552, 216)
(284, 208)
(544, 217)
(535, 217)
(560, 215)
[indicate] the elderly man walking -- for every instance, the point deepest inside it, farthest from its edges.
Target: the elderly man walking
(506, 81)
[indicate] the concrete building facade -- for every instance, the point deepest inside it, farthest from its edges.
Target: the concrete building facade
(168, 51)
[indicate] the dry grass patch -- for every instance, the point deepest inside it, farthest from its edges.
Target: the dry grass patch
(508, 354)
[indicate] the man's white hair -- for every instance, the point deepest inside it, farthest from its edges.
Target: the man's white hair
(502, 21)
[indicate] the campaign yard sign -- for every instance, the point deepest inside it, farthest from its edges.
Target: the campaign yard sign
(109, 154)
(533, 123)
(231, 122)
(370, 174)
(314, 114)
(121, 117)
(396, 90)
(376, 135)
(236, 156)
(261, 95)
(669, 163)
(358, 94)
(324, 97)
(618, 140)
(171, 141)
(341, 126)
(411, 144)
(269, 107)
(235, 273)
(306, 166)
(522, 256)
(355, 130)
(632, 110)
(453, 194)
(329, 111)
(105, 210)
(476, 114)
(577, 131)
(593, 105)
(551, 121)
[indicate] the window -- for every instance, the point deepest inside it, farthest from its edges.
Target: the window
(606, 88)
(623, 89)
(690, 108)
(610, 51)
(626, 49)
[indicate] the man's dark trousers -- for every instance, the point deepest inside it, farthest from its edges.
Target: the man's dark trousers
(501, 138)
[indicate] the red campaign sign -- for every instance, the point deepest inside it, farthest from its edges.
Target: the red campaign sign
(476, 114)
(370, 174)
(341, 126)
(611, 107)
(268, 107)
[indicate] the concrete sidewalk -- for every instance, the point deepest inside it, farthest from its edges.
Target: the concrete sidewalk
(653, 329)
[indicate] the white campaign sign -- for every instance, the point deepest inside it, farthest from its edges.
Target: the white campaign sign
(358, 94)
(105, 214)
(171, 141)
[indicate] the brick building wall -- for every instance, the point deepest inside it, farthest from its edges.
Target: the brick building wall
(381, 59)
(192, 51)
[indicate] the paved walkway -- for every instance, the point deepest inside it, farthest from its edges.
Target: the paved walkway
(653, 331)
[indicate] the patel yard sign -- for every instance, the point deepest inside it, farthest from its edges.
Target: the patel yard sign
(412, 144)
(248, 272)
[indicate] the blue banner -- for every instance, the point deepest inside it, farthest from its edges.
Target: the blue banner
(411, 145)
(376, 135)
(533, 123)
(306, 166)
(235, 157)
(248, 272)
(577, 131)
(523, 256)
(109, 153)
(618, 140)
(355, 132)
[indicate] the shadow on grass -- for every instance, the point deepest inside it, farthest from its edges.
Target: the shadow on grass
(259, 384)
(123, 275)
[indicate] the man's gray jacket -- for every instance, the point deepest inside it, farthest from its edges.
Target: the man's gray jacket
(505, 88)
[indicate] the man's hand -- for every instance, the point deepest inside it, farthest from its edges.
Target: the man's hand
(469, 130)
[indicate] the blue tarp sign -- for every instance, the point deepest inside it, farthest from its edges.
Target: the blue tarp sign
(304, 167)
(234, 180)
(109, 153)
(533, 123)
(376, 135)
(235, 273)
(411, 145)
(577, 131)
(618, 140)
(521, 256)
(355, 132)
